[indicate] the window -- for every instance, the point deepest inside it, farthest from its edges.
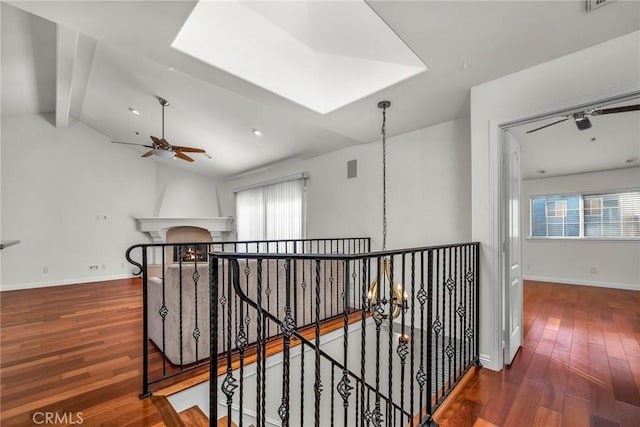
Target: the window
(606, 215)
(271, 212)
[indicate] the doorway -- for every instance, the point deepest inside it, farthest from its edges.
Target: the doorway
(512, 207)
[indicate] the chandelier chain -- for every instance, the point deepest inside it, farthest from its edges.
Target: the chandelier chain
(384, 178)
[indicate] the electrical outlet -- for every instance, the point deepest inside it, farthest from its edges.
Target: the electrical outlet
(45, 269)
(94, 266)
(122, 265)
(594, 270)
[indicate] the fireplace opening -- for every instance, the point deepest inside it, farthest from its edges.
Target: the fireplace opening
(190, 253)
(195, 248)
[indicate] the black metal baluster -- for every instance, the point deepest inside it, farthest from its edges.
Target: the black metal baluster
(268, 293)
(421, 376)
(213, 338)
(223, 302)
(344, 386)
(402, 344)
(295, 285)
(378, 313)
(302, 383)
(454, 319)
(444, 300)
(145, 326)
(242, 340)
(318, 383)
(229, 384)
(476, 288)
(260, 392)
(324, 282)
(363, 328)
(430, 356)
(163, 312)
(288, 327)
(413, 324)
(196, 329)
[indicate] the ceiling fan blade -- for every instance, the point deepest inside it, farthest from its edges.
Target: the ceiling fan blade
(131, 143)
(183, 156)
(147, 154)
(624, 109)
(188, 149)
(550, 124)
(160, 142)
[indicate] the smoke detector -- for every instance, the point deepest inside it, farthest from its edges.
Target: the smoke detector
(594, 4)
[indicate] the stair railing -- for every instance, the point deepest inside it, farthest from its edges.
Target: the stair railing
(175, 299)
(418, 320)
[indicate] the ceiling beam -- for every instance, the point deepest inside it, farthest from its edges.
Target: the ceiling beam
(66, 53)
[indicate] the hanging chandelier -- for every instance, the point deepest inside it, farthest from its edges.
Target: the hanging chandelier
(383, 285)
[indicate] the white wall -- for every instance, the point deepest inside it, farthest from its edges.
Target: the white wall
(569, 79)
(428, 189)
(571, 261)
(56, 183)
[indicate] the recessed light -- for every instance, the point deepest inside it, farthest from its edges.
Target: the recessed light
(593, 139)
(134, 111)
(137, 133)
(171, 69)
(257, 132)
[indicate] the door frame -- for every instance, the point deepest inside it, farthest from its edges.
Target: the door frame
(498, 198)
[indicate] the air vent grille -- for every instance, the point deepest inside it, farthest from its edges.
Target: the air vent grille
(594, 4)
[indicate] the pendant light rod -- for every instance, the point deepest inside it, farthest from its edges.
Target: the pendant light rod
(384, 105)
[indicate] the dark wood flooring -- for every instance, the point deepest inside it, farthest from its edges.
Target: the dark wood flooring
(579, 365)
(71, 349)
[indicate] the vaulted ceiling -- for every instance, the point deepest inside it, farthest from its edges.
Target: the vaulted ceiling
(94, 60)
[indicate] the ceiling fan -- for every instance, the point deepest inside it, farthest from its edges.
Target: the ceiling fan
(161, 148)
(581, 118)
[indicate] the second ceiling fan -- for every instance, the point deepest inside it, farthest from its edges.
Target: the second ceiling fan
(161, 147)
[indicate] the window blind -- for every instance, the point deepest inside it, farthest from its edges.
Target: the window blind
(271, 212)
(604, 215)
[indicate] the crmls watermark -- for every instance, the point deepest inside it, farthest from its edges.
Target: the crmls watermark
(43, 418)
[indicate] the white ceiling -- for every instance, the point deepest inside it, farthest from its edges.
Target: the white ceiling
(612, 142)
(125, 59)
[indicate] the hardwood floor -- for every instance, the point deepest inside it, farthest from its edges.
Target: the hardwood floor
(73, 349)
(579, 364)
(76, 348)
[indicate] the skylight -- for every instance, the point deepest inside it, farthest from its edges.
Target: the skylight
(320, 54)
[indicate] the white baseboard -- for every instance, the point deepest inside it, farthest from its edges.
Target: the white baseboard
(20, 286)
(612, 285)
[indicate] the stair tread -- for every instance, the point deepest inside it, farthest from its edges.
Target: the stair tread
(223, 422)
(194, 417)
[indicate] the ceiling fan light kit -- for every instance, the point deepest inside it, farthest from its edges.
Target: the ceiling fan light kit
(161, 148)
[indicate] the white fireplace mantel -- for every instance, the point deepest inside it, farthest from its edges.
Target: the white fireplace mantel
(158, 227)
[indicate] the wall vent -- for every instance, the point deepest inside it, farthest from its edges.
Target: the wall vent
(352, 168)
(594, 4)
